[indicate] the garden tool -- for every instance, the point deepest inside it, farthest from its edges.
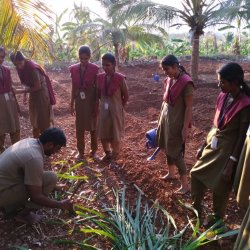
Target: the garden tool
(151, 143)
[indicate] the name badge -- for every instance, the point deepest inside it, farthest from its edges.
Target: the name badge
(106, 106)
(214, 142)
(7, 97)
(82, 95)
(248, 131)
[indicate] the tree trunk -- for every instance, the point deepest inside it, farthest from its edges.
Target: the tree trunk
(116, 45)
(195, 58)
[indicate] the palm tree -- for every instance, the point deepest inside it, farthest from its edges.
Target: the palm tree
(197, 14)
(115, 32)
(236, 14)
(24, 24)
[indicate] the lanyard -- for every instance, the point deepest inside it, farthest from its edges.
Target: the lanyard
(82, 74)
(224, 110)
(107, 84)
(2, 78)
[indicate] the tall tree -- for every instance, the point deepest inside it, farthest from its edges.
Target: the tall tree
(24, 24)
(197, 14)
(236, 15)
(118, 32)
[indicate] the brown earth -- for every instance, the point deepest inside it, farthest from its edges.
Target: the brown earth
(142, 113)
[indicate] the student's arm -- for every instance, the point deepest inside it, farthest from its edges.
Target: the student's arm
(188, 98)
(231, 164)
(36, 196)
(35, 76)
(124, 93)
(17, 104)
(72, 100)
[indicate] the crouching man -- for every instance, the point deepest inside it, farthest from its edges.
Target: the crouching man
(24, 185)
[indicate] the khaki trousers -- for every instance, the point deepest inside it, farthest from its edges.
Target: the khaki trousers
(17, 196)
(80, 137)
(14, 137)
(220, 199)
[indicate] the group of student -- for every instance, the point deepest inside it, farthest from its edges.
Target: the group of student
(98, 100)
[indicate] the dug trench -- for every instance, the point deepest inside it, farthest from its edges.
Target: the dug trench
(134, 170)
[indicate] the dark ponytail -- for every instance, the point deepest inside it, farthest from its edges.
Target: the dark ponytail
(233, 72)
(171, 60)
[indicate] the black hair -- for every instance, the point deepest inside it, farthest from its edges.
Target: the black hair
(109, 57)
(17, 56)
(233, 72)
(84, 49)
(54, 135)
(171, 60)
(2, 49)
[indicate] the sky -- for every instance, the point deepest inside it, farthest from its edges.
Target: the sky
(58, 6)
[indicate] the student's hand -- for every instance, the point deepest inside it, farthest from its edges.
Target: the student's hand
(199, 153)
(72, 111)
(228, 171)
(66, 205)
(184, 134)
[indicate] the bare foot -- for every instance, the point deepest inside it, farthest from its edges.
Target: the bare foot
(168, 176)
(28, 218)
(182, 190)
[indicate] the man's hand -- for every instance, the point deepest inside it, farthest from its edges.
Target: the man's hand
(66, 205)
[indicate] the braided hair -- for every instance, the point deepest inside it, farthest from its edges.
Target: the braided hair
(171, 60)
(233, 72)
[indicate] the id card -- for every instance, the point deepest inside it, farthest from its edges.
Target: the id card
(7, 97)
(82, 95)
(106, 106)
(248, 131)
(214, 143)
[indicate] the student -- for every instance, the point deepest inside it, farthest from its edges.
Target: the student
(9, 106)
(23, 182)
(218, 157)
(113, 94)
(241, 185)
(242, 176)
(175, 118)
(41, 95)
(243, 239)
(84, 100)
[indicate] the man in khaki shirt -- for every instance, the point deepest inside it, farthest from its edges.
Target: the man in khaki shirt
(22, 178)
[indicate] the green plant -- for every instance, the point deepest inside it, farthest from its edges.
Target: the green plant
(144, 226)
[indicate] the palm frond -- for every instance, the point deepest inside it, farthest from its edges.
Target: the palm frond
(24, 24)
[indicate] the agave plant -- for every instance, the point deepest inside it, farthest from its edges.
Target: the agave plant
(143, 226)
(25, 24)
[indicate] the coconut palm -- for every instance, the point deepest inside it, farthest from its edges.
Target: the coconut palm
(236, 14)
(24, 24)
(116, 33)
(197, 14)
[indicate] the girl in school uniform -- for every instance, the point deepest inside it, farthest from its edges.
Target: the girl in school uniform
(113, 93)
(38, 86)
(219, 155)
(175, 119)
(9, 107)
(84, 100)
(242, 188)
